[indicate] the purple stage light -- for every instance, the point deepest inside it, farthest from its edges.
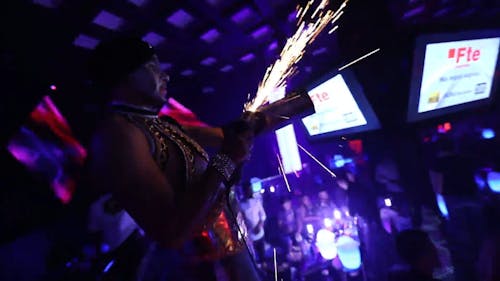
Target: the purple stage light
(187, 72)
(261, 32)
(108, 20)
(208, 61)
(180, 19)
(85, 41)
(247, 58)
(319, 51)
(153, 38)
(138, 3)
(210, 36)
(273, 46)
(207, 90)
(165, 66)
(243, 15)
(414, 12)
(292, 17)
(48, 3)
(226, 68)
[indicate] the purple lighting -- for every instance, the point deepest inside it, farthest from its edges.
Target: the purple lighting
(210, 36)
(187, 72)
(165, 66)
(273, 46)
(414, 12)
(442, 12)
(153, 38)
(138, 3)
(261, 32)
(47, 3)
(247, 58)
(319, 51)
(243, 15)
(108, 20)
(227, 68)
(180, 19)
(289, 151)
(208, 61)
(214, 2)
(85, 41)
(207, 90)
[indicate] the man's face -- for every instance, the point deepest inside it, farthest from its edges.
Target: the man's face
(287, 205)
(160, 77)
(323, 196)
(150, 81)
(306, 200)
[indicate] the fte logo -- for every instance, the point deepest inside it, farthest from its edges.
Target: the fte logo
(464, 54)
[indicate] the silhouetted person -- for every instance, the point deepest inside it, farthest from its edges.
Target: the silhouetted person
(452, 175)
(419, 254)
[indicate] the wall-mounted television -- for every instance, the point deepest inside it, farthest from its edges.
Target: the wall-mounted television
(340, 107)
(452, 72)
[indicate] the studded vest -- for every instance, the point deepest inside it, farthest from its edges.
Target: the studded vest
(221, 234)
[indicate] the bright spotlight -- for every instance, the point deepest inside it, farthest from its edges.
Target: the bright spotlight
(442, 205)
(494, 181)
(388, 202)
(337, 214)
(327, 222)
(310, 228)
(488, 133)
(325, 241)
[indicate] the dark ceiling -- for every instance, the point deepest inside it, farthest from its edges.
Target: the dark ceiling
(216, 51)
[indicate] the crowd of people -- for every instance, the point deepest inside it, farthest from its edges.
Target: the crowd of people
(160, 207)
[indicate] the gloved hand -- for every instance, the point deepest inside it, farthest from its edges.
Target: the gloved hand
(238, 140)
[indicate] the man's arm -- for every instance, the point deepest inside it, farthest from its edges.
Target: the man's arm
(436, 181)
(206, 136)
(122, 164)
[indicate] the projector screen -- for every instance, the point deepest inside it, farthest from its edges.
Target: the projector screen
(340, 107)
(452, 72)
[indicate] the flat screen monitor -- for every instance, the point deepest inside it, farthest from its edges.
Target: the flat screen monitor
(341, 107)
(453, 72)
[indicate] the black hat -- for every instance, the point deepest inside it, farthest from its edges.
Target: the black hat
(114, 59)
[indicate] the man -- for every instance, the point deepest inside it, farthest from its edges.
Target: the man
(393, 202)
(255, 217)
(306, 214)
(452, 176)
(158, 170)
(325, 206)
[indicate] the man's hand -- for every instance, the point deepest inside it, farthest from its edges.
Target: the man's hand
(238, 141)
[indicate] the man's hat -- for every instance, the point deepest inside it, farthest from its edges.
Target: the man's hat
(114, 59)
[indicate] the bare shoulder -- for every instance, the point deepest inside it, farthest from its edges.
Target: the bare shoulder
(116, 132)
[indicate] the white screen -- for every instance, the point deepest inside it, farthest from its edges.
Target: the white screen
(335, 108)
(457, 72)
